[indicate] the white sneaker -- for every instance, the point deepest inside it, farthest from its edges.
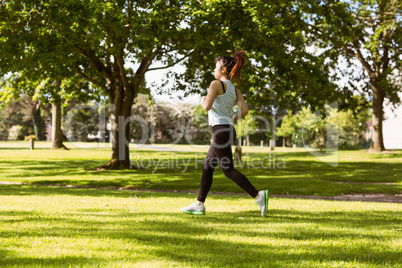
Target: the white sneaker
(263, 202)
(194, 209)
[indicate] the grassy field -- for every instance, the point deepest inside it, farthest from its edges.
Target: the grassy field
(49, 226)
(287, 171)
(59, 227)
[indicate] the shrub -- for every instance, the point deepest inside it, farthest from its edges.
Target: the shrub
(16, 133)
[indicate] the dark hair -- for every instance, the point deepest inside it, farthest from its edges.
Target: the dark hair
(233, 65)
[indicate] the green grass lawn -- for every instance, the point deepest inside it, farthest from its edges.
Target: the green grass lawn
(287, 171)
(60, 227)
(65, 227)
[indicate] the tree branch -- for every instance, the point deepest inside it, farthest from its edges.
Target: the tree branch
(362, 60)
(385, 59)
(172, 64)
(128, 17)
(147, 61)
(361, 38)
(107, 59)
(90, 79)
(96, 63)
(120, 62)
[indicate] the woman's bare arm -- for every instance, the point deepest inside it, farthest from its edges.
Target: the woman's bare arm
(207, 101)
(243, 108)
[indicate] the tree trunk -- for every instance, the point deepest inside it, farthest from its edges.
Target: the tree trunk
(377, 144)
(120, 141)
(39, 123)
(121, 90)
(57, 137)
(122, 100)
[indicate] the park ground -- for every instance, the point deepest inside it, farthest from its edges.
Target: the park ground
(43, 224)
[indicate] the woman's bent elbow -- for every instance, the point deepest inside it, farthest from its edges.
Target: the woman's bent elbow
(205, 107)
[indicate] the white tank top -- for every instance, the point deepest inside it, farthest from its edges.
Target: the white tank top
(221, 110)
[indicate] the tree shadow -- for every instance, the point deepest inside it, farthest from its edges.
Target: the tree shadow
(212, 241)
(299, 177)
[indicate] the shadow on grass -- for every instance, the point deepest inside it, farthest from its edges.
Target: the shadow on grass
(19, 149)
(211, 240)
(298, 177)
(28, 190)
(8, 257)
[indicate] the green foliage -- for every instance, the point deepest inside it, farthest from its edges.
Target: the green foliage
(160, 122)
(38, 65)
(83, 122)
(19, 112)
(367, 31)
(93, 39)
(7, 94)
(350, 127)
(113, 44)
(39, 125)
(246, 125)
(275, 37)
(307, 128)
(199, 131)
(83, 36)
(366, 35)
(255, 127)
(288, 125)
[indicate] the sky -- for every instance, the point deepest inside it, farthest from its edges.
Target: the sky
(157, 76)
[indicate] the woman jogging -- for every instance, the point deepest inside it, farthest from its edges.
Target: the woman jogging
(222, 96)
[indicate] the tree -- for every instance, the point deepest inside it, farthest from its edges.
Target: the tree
(84, 122)
(302, 128)
(369, 31)
(198, 131)
(307, 128)
(3, 128)
(246, 126)
(281, 70)
(97, 40)
(57, 92)
(34, 62)
(20, 112)
(287, 128)
(15, 85)
(162, 122)
(113, 44)
(39, 122)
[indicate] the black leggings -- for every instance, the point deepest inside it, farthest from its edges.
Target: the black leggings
(220, 151)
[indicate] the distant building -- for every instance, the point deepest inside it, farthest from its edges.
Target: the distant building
(392, 127)
(48, 132)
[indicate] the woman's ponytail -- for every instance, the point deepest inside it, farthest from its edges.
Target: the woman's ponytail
(233, 65)
(235, 72)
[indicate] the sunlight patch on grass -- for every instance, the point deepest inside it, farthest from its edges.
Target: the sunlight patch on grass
(86, 227)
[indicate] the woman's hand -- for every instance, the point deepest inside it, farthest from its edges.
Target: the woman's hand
(235, 119)
(203, 99)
